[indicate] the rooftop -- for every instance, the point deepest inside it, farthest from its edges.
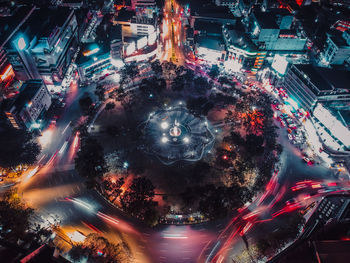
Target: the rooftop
(28, 91)
(90, 51)
(125, 15)
(208, 27)
(337, 38)
(266, 20)
(210, 42)
(325, 78)
(9, 23)
(241, 40)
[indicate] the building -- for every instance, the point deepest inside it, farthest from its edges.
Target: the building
(210, 49)
(212, 13)
(229, 3)
(325, 236)
(337, 48)
(9, 27)
(92, 61)
(142, 4)
(44, 45)
(30, 105)
(242, 53)
(133, 25)
(307, 85)
(72, 3)
(273, 31)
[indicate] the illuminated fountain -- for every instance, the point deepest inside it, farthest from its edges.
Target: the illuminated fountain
(174, 134)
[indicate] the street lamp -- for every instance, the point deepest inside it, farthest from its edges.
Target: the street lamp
(21, 43)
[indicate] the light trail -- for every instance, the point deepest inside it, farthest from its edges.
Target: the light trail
(108, 218)
(81, 203)
(64, 146)
(65, 129)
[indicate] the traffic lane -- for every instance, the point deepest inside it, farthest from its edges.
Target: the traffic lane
(180, 243)
(62, 130)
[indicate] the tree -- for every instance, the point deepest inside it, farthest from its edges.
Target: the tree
(14, 217)
(178, 83)
(254, 145)
(15, 222)
(17, 146)
(90, 162)
(110, 106)
(85, 104)
(199, 106)
(157, 67)
(138, 200)
(129, 71)
(100, 92)
(96, 248)
(214, 71)
(113, 130)
(201, 85)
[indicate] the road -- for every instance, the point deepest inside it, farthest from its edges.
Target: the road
(172, 33)
(57, 191)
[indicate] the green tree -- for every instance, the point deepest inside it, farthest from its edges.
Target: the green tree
(14, 217)
(214, 71)
(85, 104)
(17, 146)
(96, 248)
(90, 162)
(157, 67)
(110, 106)
(138, 200)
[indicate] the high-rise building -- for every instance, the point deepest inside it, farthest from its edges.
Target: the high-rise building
(30, 105)
(273, 31)
(307, 85)
(337, 48)
(9, 27)
(44, 45)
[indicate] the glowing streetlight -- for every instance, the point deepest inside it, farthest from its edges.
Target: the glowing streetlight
(21, 43)
(164, 139)
(186, 140)
(164, 125)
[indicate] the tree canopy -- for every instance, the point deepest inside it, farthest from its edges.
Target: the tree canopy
(90, 162)
(17, 146)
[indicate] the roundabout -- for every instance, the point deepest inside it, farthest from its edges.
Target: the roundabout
(173, 134)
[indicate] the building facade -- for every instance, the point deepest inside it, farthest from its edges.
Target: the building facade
(307, 85)
(337, 48)
(44, 45)
(142, 3)
(33, 101)
(241, 51)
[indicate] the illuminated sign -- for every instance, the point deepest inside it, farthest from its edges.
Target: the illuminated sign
(91, 52)
(142, 42)
(21, 43)
(280, 64)
(7, 73)
(287, 36)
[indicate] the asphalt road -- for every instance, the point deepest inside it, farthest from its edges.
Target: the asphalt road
(48, 190)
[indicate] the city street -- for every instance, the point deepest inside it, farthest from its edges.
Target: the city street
(56, 191)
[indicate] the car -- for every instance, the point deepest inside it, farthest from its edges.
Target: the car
(308, 160)
(291, 201)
